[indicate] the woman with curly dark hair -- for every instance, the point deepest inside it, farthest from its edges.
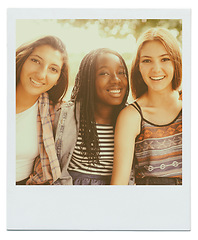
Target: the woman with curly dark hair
(85, 131)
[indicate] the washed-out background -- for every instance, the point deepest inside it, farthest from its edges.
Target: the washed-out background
(83, 35)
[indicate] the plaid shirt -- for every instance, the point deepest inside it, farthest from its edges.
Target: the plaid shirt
(46, 166)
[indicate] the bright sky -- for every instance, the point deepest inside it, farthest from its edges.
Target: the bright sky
(76, 39)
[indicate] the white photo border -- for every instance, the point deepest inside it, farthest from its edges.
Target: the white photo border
(98, 207)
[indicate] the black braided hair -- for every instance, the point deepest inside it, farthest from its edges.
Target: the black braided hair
(84, 92)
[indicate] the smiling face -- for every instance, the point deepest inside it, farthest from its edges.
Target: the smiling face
(156, 66)
(111, 80)
(40, 72)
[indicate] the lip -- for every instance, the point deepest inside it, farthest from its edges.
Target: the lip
(36, 83)
(157, 78)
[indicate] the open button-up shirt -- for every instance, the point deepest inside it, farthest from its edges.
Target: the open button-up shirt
(46, 167)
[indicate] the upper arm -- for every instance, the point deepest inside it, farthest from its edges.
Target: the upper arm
(127, 128)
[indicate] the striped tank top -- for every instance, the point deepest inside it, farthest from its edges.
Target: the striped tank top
(81, 164)
(158, 148)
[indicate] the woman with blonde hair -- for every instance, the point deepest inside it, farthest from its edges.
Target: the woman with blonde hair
(148, 135)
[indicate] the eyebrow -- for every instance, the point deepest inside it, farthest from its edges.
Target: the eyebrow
(165, 54)
(35, 55)
(104, 66)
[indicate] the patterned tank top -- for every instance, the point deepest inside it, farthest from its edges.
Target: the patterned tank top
(158, 148)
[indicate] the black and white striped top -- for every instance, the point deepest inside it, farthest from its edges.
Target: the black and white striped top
(106, 144)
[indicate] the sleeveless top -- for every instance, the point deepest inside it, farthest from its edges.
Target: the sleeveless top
(158, 148)
(81, 164)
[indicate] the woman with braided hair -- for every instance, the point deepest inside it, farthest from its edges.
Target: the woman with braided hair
(85, 125)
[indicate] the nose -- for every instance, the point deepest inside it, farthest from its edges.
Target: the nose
(156, 67)
(41, 73)
(115, 78)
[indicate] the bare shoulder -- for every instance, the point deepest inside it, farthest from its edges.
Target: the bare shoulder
(129, 120)
(129, 114)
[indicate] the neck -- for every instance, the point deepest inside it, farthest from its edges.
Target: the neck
(164, 98)
(24, 100)
(103, 115)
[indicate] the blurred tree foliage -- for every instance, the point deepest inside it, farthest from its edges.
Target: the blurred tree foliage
(121, 28)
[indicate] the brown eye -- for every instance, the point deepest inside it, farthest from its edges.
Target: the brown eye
(165, 59)
(122, 73)
(35, 60)
(104, 73)
(54, 70)
(146, 61)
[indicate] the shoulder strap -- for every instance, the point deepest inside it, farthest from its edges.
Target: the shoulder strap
(137, 107)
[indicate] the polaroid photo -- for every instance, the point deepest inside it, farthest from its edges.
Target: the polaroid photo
(44, 204)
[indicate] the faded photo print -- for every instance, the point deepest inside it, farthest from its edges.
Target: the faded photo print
(98, 102)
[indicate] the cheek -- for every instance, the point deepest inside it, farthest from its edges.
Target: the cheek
(173, 70)
(99, 84)
(51, 83)
(28, 69)
(23, 73)
(143, 69)
(125, 83)
(53, 78)
(58, 77)
(170, 69)
(140, 70)
(98, 90)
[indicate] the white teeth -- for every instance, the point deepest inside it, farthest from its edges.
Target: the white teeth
(157, 78)
(115, 91)
(37, 83)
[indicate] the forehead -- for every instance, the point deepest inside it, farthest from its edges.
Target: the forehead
(153, 48)
(47, 50)
(108, 59)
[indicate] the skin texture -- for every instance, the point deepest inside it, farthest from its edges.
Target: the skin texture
(40, 73)
(160, 105)
(156, 67)
(111, 85)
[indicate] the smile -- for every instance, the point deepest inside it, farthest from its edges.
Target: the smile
(35, 83)
(157, 78)
(115, 91)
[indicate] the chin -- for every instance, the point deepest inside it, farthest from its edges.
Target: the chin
(116, 103)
